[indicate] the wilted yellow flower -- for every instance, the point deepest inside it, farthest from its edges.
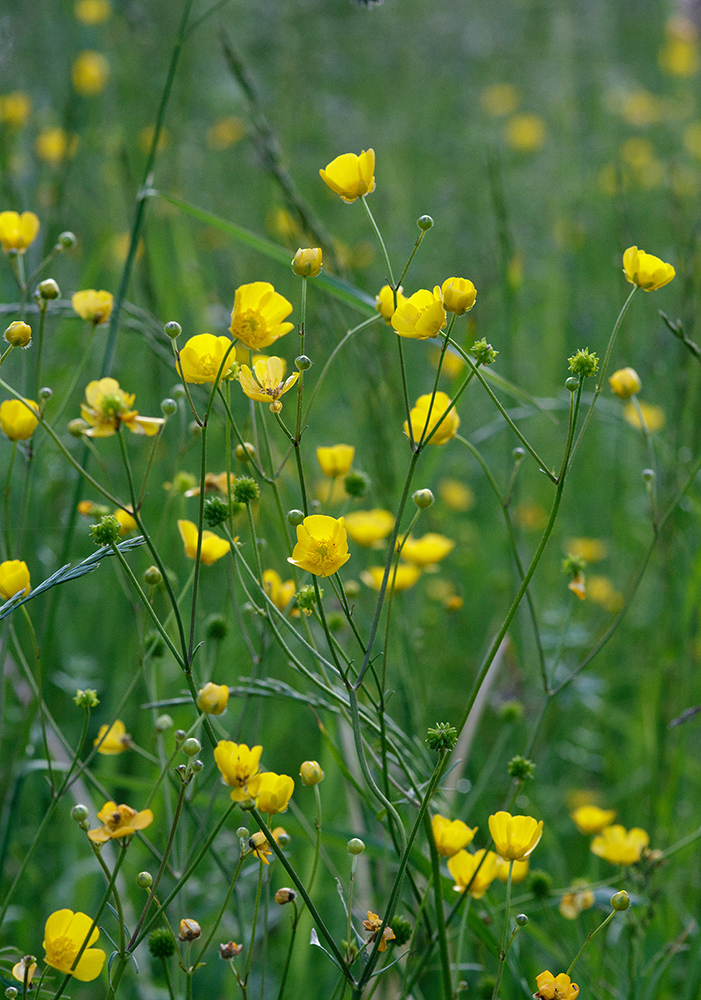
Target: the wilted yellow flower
(450, 837)
(204, 355)
(213, 698)
(518, 873)
(368, 527)
(225, 133)
(499, 99)
(431, 548)
(260, 846)
(601, 591)
(405, 577)
(652, 415)
(189, 929)
(25, 967)
(459, 295)
(258, 314)
(266, 383)
(335, 460)
(92, 11)
(53, 145)
(373, 924)
(271, 791)
(322, 545)
(420, 316)
(311, 773)
(17, 231)
(65, 934)
(578, 585)
(421, 423)
(279, 593)
(591, 819)
(238, 765)
(19, 334)
(456, 495)
(126, 520)
(17, 420)
(351, 176)
(15, 108)
(515, 837)
(119, 821)
(573, 903)
(107, 407)
(116, 739)
(591, 550)
(213, 547)
(558, 987)
(90, 73)
(14, 578)
(620, 846)
(645, 270)
(93, 306)
(384, 302)
(477, 871)
(307, 263)
(525, 133)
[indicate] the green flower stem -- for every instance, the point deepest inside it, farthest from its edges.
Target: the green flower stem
(405, 391)
(305, 896)
(6, 500)
(149, 464)
(504, 938)
(256, 547)
(451, 405)
(6, 353)
(317, 839)
(378, 234)
(650, 484)
(300, 380)
(237, 432)
(461, 942)
(43, 305)
(85, 355)
(439, 366)
(254, 923)
(402, 276)
(440, 911)
(344, 340)
(288, 958)
(222, 910)
(123, 844)
(166, 976)
(40, 697)
(602, 371)
(591, 935)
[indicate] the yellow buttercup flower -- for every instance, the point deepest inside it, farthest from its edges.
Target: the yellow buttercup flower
(23, 969)
(238, 765)
(456, 495)
(601, 591)
(384, 302)
(591, 550)
(266, 383)
(459, 295)
(368, 527)
(90, 73)
(107, 407)
(17, 231)
(450, 837)
(126, 520)
(311, 773)
(14, 578)
(94, 306)
(65, 934)
(620, 846)
(119, 821)
(92, 11)
(213, 698)
(431, 548)
(204, 356)
(591, 819)
(645, 270)
(573, 903)
(558, 987)
(116, 739)
(271, 791)
(405, 578)
(420, 316)
(15, 108)
(258, 314)
(18, 333)
(18, 419)
(322, 545)
(525, 133)
(260, 846)
(625, 383)
(477, 871)
(307, 262)
(213, 547)
(518, 873)
(351, 176)
(279, 593)
(335, 460)
(225, 133)
(653, 416)
(421, 423)
(515, 837)
(53, 145)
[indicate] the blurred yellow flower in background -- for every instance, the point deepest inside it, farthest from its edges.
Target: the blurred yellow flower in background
(420, 316)
(602, 592)
(335, 460)
(525, 133)
(456, 495)
(573, 903)
(591, 550)
(591, 819)
(279, 593)
(258, 314)
(679, 56)
(116, 739)
(477, 871)
(431, 548)
(14, 578)
(90, 73)
(213, 547)
(384, 302)
(126, 520)
(15, 108)
(107, 407)
(518, 872)
(225, 133)
(404, 578)
(322, 545)
(620, 846)
(350, 175)
(93, 306)
(18, 419)
(53, 145)
(420, 421)
(17, 232)
(653, 416)
(92, 11)
(500, 99)
(368, 527)
(450, 837)
(625, 383)
(65, 933)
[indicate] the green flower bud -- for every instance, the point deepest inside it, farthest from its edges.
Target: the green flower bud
(511, 711)
(161, 943)
(86, 699)
(191, 746)
(306, 599)
(79, 813)
(173, 329)
(422, 498)
(295, 517)
(67, 240)
(163, 723)
(584, 363)
(216, 627)
(144, 880)
(216, 512)
(483, 352)
(355, 846)
(521, 919)
(424, 222)
(620, 900)
(11, 992)
(572, 383)
(168, 407)
(46, 392)
(242, 833)
(77, 427)
(648, 475)
(197, 765)
(245, 452)
(519, 454)
(18, 334)
(303, 363)
(520, 768)
(153, 576)
(48, 289)
(356, 484)
(402, 930)
(442, 736)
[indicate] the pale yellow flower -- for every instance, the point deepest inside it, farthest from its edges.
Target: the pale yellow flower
(591, 819)
(459, 295)
(15, 108)
(421, 423)
(225, 133)
(601, 591)
(519, 871)
(591, 550)
(92, 11)
(384, 302)
(558, 987)
(477, 871)
(271, 791)
(368, 527)
(90, 73)
(431, 548)
(405, 578)
(525, 133)
(335, 460)
(279, 593)
(620, 846)
(500, 99)
(653, 416)
(213, 547)
(307, 262)
(53, 145)
(573, 903)
(14, 578)
(456, 494)
(126, 520)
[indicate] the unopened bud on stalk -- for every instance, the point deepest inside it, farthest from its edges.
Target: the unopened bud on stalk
(153, 576)
(173, 329)
(48, 289)
(648, 475)
(245, 452)
(11, 992)
(79, 813)
(242, 833)
(521, 919)
(572, 383)
(77, 427)
(310, 772)
(355, 846)
(283, 896)
(303, 363)
(46, 392)
(191, 746)
(163, 722)
(424, 222)
(180, 735)
(144, 880)
(190, 930)
(518, 454)
(422, 498)
(18, 334)
(307, 263)
(230, 950)
(67, 240)
(169, 407)
(620, 900)
(295, 517)
(197, 765)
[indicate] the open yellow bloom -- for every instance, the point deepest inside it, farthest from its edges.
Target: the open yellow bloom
(450, 837)
(558, 987)
(525, 133)
(17, 421)
(368, 527)
(420, 421)
(116, 739)
(518, 873)
(335, 460)
(459, 295)
(258, 314)
(238, 765)
(405, 577)
(119, 821)
(322, 545)
(384, 302)
(620, 846)
(64, 935)
(350, 175)
(14, 578)
(625, 383)
(653, 416)
(15, 108)
(213, 698)
(53, 145)
(213, 547)
(279, 593)
(271, 791)
(94, 306)
(107, 407)
(203, 356)
(90, 73)
(421, 315)
(17, 231)
(477, 871)
(515, 837)
(645, 270)
(265, 383)
(592, 819)
(431, 548)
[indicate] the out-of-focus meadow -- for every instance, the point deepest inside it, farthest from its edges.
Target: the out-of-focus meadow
(543, 139)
